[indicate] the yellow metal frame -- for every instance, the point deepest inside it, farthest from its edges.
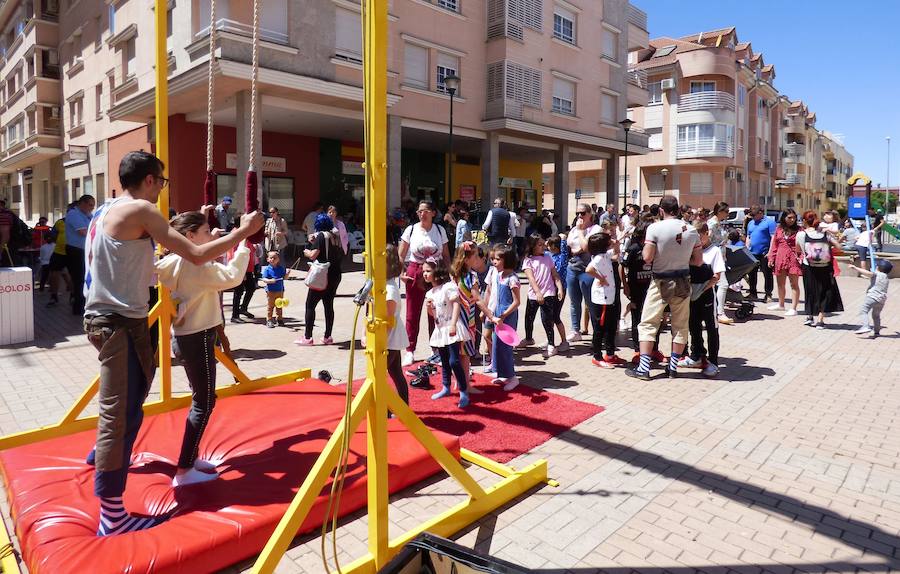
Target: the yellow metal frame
(376, 397)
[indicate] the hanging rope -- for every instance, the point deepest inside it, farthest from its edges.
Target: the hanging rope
(251, 189)
(210, 191)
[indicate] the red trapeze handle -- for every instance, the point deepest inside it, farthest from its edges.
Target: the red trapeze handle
(209, 198)
(251, 203)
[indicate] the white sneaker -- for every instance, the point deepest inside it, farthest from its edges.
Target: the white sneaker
(574, 337)
(408, 359)
(711, 370)
(808, 321)
(562, 347)
(862, 331)
(689, 363)
(551, 350)
(512, 383)
(791, 313)
(725, 320)
(193, 476)
(775, 307)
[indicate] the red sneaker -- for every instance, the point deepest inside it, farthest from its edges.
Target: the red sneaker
(658, 356)
(614, 360)
(601, 364)
(636, 359)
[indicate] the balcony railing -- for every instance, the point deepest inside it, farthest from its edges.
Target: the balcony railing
(706, 101)
(704, 147)
(637, 78)
(795, 152)
(241, 29)
(794, 179)
(637, 17)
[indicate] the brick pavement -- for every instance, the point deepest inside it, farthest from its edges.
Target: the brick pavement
(788, 461)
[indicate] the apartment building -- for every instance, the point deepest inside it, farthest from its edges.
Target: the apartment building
(542, 81)
(719, 130)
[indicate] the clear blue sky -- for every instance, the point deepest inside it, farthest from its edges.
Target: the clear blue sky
(840, 58)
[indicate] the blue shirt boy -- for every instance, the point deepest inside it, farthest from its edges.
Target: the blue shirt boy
(278, 273)
(760, 234)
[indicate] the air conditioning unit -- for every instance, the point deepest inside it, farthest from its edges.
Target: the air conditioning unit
(53, 57)
(767, 164)
(54, 112)
(740, 176)
(730, 173)
(668, 84)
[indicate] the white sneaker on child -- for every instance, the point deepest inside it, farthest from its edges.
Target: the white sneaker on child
(574, 337)
(512, 383)
(193, 476)
(551, 350)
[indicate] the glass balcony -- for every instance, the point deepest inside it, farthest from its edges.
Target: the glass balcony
(704, 147)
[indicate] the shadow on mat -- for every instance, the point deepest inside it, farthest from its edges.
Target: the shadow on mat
(254, 354)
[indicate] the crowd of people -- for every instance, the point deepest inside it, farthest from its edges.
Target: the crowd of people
(661, 264)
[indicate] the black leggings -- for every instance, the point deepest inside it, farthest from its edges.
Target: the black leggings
(549, 316)
(326, 296)
(395, 370)
(75, 264)
(605, 323)
(198, 354)
(243, 291)
(703, 312)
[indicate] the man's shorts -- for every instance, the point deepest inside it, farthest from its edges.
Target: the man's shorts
(57, 262)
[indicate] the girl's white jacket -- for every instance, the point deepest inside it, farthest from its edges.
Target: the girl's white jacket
(195, 288)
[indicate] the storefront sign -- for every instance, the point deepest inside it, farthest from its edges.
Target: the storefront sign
(276, 164)
(515, 182)
(350, 167)
(467, 192)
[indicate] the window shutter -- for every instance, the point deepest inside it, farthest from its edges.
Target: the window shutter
(448, 61)
(608, 105)
(348, 34)
(701, 183)
(415, 66)
(563, 89)
(610, 44)
(495, 82)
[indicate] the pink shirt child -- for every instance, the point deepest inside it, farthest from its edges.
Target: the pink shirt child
(542, 268)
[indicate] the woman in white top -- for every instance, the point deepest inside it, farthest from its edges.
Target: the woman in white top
(419, 242)
(578, 282)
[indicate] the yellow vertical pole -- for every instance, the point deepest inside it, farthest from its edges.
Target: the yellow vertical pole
(375, 40)
(162, 152)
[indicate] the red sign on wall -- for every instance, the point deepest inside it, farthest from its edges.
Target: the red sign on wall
(467, 192)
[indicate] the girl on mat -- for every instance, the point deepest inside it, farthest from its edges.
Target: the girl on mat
(195, 290)
(544, 286)
(442, 303)
(506, 286)
(467, 262)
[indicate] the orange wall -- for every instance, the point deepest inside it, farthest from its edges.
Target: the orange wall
(117, 147)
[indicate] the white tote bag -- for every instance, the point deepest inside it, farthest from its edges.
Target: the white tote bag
(317, 277)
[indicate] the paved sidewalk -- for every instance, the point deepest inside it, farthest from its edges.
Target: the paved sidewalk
(788, 461)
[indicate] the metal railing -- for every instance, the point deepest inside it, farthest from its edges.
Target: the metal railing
(794, 178)
(706, 101)
(242, 29)
(705, 147)
(637, 17)
(795, 151)
(637, 78)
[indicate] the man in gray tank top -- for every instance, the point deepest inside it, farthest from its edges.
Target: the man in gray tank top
(119, 264)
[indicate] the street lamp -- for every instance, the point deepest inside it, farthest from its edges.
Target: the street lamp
(665, 173)
(626, 125)
(451, 84)
(887, 198)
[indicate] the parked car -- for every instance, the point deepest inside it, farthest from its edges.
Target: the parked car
(736, 216)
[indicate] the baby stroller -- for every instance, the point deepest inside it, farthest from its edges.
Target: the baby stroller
(738, 263)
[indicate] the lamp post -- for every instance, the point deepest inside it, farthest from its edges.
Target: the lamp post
(451, 84)
(665, 173)
(626, 125)
(887, 197)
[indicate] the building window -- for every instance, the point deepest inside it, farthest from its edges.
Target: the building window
(655, 139)
(563, 97)
(515, 82)
(415, 66)
(608, 111)
(447, 65)
(656, 92)
(100, 147)
(760, 107)
(701, 183)
(740, 138)
(766, 154)
(563, 24)
(112, 18)
(758, 146)
(348, 36)
(452, 5)
(98, 101)
(656, 185)
(130, 57)
(610, 44)
(742, 94)
(703, 87)
(705, 140)
(274, 21)
(76, 113)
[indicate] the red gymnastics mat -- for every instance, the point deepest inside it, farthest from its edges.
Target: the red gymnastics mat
(266, 441)
(498, 424)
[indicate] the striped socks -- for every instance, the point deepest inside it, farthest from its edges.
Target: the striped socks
(673, 363)
(644, 365)
(114, 519)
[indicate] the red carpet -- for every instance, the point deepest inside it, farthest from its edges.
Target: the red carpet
(267, 442)
(498, 424)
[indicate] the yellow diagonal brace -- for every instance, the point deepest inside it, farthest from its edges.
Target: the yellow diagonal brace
(434, 447)
(86, 397)
(296, 513)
